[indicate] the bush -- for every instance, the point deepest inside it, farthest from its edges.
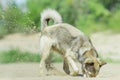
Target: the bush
(14, 20)
(114, 21)
(89, 16)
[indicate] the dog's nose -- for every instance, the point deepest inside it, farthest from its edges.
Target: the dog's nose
(92, 75)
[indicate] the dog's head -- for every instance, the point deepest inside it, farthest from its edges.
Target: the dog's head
(91, 66)
(91, 63)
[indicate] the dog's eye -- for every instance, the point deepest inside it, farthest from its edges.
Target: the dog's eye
(90, 64)
(100, 65)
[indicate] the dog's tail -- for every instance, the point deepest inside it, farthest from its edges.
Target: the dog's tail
(48, 14)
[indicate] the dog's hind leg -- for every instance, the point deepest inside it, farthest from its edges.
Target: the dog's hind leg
(48, 62)
(45, 46)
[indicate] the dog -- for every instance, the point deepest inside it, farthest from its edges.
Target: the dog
(69, 42)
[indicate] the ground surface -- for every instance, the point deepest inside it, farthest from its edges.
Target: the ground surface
(30, 71)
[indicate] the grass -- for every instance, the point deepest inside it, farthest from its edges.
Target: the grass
(15, 55)
(18, 56)
(109, 60)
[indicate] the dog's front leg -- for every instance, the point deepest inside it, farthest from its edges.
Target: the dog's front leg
(73, 65)
(69, 56)
(66, 66)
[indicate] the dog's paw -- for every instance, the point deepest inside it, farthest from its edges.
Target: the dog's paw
(74, 73)
(81, 75)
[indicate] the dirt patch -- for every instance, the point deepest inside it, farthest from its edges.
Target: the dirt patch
(30, 71)
(107, 44)
(20, 41)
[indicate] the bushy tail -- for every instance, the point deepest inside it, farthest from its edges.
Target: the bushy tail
(48, 14)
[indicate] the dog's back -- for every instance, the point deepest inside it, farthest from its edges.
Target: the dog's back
(62, 33)
(73, 31)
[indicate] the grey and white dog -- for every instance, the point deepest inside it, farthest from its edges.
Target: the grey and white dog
(70, 42)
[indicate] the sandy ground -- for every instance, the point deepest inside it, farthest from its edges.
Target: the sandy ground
(107, 44)
(20, 41)
(30, 71)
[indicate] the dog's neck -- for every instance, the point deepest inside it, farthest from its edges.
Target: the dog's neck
(87, 54)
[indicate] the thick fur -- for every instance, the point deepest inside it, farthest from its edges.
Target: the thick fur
(70, 42)
(49, 14)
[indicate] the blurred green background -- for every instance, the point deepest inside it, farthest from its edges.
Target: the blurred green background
(87, 15)
(23, 16)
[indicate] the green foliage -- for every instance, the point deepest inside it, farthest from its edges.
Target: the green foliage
(114, 21)
(14, 20)
(11, 17)
(18, 56)
(35, 7)
(63, 6)
(92, 18)
(87, 15)
(110, 4)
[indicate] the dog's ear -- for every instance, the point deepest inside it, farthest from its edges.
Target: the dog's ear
(101, 62)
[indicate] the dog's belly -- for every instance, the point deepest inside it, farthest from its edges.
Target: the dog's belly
(61, 52)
